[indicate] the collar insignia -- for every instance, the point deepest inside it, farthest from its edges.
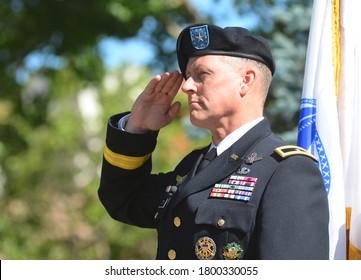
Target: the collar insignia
(234, 156)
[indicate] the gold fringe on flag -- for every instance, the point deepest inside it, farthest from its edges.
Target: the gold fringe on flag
(348, 226)
(352, 252)
(336, 39)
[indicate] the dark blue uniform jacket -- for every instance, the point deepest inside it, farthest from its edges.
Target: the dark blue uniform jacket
(251, 202)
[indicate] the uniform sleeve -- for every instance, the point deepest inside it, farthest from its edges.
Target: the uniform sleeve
(127, 189)
(293, 213)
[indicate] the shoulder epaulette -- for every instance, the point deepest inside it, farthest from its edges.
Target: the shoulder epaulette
(290, 150)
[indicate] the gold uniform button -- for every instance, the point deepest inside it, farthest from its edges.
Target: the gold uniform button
(221, 222)
(172, 254)
(177, 221)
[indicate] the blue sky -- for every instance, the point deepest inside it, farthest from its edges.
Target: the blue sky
(116, 52)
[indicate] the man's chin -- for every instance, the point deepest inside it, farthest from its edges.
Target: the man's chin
(196, 121)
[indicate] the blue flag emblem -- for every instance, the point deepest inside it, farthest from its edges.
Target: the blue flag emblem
(199, 37)
(309, 139)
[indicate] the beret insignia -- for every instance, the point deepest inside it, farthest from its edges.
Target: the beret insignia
(199, 37)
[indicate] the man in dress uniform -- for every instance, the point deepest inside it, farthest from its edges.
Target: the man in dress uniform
(247, 195)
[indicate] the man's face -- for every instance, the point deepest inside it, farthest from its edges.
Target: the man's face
(213, 89)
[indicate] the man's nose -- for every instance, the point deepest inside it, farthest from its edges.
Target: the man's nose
(188, 85)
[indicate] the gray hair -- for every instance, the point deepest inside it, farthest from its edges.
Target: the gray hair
(263, 71)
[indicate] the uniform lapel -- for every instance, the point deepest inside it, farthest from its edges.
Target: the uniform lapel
(223, 165)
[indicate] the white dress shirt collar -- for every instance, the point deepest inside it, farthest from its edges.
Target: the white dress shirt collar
(235, 136)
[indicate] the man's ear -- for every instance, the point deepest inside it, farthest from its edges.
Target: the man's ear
(247, 81)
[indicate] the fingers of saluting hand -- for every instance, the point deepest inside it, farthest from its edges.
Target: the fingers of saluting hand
(172, 85)
(166, 85)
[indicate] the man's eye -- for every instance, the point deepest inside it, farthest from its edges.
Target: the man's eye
(202, 74)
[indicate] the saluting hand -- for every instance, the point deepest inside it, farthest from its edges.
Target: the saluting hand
(153, 109)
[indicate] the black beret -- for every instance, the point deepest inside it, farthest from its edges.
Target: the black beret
(205, 39)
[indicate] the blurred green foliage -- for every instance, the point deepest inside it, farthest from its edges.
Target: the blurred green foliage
(53, 116)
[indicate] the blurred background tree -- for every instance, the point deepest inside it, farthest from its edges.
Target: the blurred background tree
(57, 91)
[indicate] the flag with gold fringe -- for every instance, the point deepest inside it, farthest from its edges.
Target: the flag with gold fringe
(349, 104)
(330, 117)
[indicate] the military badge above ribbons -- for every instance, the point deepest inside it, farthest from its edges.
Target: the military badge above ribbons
(238, 188)
(199, 37)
